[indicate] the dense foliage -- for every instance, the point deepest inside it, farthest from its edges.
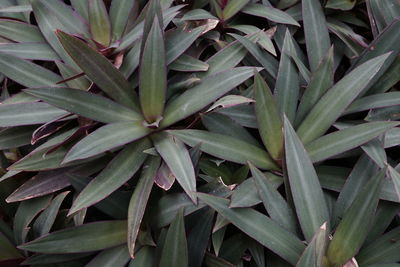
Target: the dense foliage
(200, 133)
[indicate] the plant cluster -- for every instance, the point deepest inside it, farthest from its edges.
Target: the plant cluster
(200, 133)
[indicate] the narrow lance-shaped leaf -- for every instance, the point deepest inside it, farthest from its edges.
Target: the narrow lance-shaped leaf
(308, 197)
(395, 175)
(337, 99)
(99, 22)
(258, 226)
(20, 32)
(270, 13)
(177, 157)
(117, 256)
(153, 75)
(120, 11)
(175, 252)
(99, 70)
(114, 175)
(315, 31)
(268, 118)
(138, 202)
(232, 8)
(314, 253)
(354, 227)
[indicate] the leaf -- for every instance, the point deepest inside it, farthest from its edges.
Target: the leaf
(120, 11)
(153, 75)
(90, 237)
(198, 14)
(15, 137)
(117, 257)
(175, 251)
(138, 202)
(315, 31)
(28, 114)
(27, 73)
(209, 90)
(114, 175)
(269, 13)
(17, 8)
(99, 70)
(144, 257)
(276, 206)
(315, 251)
(35, 51)
(229, 101)
(164, 177)
(268, 118)
(340, 141)
(376, 151)
(337, 99)
(226, 147)
(20, 31)
(105, 138)
(395, 176)
(177, 157)
(85, 104)
(340, 4)
(308, 197)
(353, 229)
(187, 63)
(8, 251)
(232, 8)
(53, 258)
(243, 114)
(374, 101)
(100, 26)
(259, 227)
(66, 71)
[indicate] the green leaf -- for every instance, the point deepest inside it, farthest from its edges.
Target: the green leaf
(144, 257)
(308, 197)
(232, 8)
(209, 90)
(99, 70)
(153, 75)
(374, 101)
(337, 99)
(138, 202)
(28, 114)
(15, 137)
(226, 147)
(53, 258)
(7, 249)
(269, 13)
(112, 257)
(315, 31)
(100, 26)
(274, 203)
(20, 31)
(187, 63)
(395, 175)
(354, 227)
(66, 71)
(81, 7)
(314, 254)
(18, 8)
(376, 151)
(90, 237)
(175, 251)
(177, 157)
(35, 51)
(120, 11)
(340, 4)
(268, 117)
(27, 73)
(105, 138)
(340, 141)
(85, 104)
(243, 114)
(259, 227)
(198, 14)
(113, 176)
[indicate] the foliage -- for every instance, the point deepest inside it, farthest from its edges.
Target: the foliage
(199, 133)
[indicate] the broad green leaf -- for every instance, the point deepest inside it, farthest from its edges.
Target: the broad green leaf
(315, 31)
(177, 157)
(15, 136)
(66, 71)
(232, 8)
(226, 147)
(26, 212)
(120, 11)
(259, 227)
(308, 197)
(18, 8)
(340, 141)
(138, 202)
(81, 7)
(105, 138)
(268, 117)
(27, 73)
(269, 13)
(314, 254)
(287, 85)
(209, 90)
(276, 206)
(46, 219)
(374, 101)
(243, 114)
(20, 32)
(90, 237)
(187, 63)
(179, 40)
(112, 257)
(34, 161)
(353, 229)
(175, 252)
(198, 14)
(376, 151)
(337, 99)
(113, 176)
(341, 4)
(392, 138)
(143, 258)
(28, 114)
(35, 51)
(100, 26)
(321, 81)
(99, 70)
(7, 249)
(153, 75)
(85, 104)
(395, 175)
